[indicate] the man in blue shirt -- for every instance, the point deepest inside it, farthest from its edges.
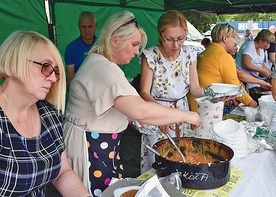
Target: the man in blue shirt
(76, 50)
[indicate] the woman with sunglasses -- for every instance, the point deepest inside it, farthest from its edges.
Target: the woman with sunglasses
(32, 101)
(168, 74)
(102, 102)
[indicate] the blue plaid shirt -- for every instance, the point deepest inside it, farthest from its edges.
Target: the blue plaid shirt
(27, 165)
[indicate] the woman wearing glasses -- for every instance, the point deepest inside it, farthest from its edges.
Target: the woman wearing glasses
(168, 74)
(32, 101)
(102, 102)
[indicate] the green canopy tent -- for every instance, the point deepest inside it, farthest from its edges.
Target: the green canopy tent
(146, 11)
(57, 19)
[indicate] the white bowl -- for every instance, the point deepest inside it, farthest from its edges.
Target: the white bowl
(267, 98)
(227, 128)
(267, 101)
(223, 88)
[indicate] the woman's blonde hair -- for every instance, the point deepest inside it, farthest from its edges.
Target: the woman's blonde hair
(123, 25)
(171, 18)
(265, 35)
(15, 53)
(221, 30)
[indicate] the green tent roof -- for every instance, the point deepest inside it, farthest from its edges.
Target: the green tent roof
(210, 6)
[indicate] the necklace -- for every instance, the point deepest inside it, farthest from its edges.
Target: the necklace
(18, 119)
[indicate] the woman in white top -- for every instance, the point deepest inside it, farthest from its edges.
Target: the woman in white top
(250, 57)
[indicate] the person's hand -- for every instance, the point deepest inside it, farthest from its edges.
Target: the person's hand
(266, 85)
(266, 73)
(165, 128)
(253, 104)
(193, 119)
(236, 102)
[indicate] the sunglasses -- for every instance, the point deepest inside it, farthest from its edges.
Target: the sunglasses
(228, 26)
(127, 23)
(47, 69)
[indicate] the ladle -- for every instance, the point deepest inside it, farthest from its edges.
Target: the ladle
(152, 150)
(177, 148)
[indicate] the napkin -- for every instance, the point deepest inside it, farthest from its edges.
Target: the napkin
(152, 188)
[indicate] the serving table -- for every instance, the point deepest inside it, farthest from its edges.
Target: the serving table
(253, 175)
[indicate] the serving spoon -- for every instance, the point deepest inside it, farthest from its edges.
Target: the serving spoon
(152, 150)
(177, 148)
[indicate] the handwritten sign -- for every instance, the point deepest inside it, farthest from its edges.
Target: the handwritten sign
(194, 176)
(223, 191)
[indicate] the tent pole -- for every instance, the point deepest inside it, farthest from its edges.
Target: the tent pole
(49, 10)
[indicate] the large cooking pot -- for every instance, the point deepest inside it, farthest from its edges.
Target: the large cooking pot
(212, 172)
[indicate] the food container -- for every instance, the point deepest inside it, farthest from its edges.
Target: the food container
(205, 175)
(210, 114)
(223, 88)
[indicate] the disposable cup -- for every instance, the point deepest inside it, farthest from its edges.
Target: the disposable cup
(250, 114)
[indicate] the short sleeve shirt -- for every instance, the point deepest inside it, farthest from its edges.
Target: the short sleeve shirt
(76, 51)
(171, 79)
(248, 48)
(92, 93)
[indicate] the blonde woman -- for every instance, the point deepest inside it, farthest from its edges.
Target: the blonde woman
(32, 101)
(102, 102)
(216, 64)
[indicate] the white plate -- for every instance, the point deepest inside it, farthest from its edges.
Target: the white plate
(220, 90)
(223, 88)
(120, 191)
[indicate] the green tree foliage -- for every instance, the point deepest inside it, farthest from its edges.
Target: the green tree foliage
(251, 16)
(202, 21)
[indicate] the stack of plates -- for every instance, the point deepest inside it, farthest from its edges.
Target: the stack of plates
(231, 133)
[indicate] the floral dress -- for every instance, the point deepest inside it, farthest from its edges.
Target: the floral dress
(170, 86)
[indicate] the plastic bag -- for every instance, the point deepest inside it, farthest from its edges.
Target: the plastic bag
(152, 188)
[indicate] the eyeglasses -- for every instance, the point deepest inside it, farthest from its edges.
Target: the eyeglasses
(127, 23)
(47, 69)
(172, 40)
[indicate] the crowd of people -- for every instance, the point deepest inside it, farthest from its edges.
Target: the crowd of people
(102, 102)
(75, 144)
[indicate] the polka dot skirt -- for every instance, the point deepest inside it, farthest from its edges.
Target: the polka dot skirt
(104, 160)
